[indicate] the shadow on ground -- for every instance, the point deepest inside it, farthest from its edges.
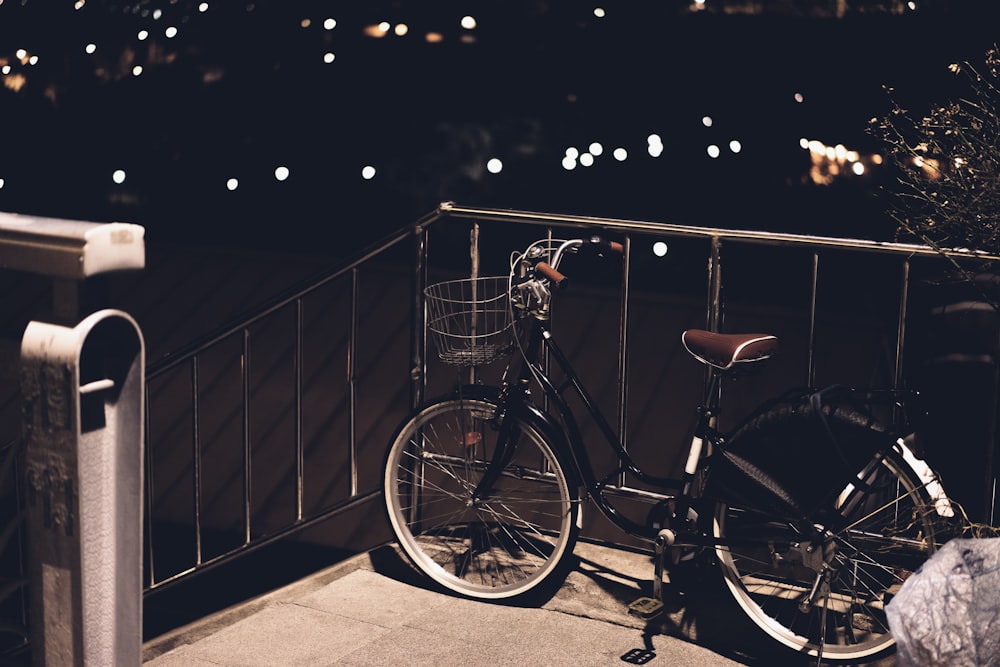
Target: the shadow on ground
(602, 582)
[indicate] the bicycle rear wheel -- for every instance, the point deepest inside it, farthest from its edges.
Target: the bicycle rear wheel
(502, 545)
(889, 527)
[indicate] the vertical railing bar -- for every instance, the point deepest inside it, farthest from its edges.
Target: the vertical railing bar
(714, 315)
(247, 468)
(811, 348)
(991, 479)
(623, 335)
(904, 297)
(993, 503)
(196, 457)
(148, 491)
(418, 340)
(543, 465)
(474, 284)
(552, 309)
(300, 465)
(352, 398)
(714, 286)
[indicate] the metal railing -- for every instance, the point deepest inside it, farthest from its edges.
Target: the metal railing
(629, 229)
(190, 357)
(363, 465)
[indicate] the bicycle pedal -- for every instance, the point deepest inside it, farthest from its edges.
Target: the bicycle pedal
(645, 607)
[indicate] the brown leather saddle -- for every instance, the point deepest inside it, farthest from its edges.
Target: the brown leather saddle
(727, 351)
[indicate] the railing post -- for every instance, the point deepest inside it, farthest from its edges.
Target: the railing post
(83, 392)
(418, 342)
(69, 252)
(811, 359)
(714, 315)
(904, 297)
(474, 284)
(623, 336)
(352, 385)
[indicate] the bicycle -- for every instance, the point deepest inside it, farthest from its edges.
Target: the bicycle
(483, 488)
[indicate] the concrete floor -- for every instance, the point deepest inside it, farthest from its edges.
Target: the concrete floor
(373, 609)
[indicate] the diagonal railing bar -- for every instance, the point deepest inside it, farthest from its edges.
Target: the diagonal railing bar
(276, 303)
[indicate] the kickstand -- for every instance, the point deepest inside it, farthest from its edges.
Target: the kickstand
(649, 607)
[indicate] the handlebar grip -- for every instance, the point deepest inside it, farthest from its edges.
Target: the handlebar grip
(557, 279)
(604, 244)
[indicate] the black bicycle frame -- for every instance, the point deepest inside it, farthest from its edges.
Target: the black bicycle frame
(539, 335)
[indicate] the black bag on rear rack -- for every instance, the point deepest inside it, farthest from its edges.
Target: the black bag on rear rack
(795, 456)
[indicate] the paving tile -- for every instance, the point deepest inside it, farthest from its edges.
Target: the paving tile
(286, 634)
(529, 635)
(373, 598)
(185, 656)
(415, 647)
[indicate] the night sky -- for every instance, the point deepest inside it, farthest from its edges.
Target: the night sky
(185, 116)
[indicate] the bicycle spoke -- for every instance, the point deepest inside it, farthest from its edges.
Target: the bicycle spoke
(515, 538)
(887, 532)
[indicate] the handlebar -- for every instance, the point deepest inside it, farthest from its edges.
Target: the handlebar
(536, 270)
(550, 270)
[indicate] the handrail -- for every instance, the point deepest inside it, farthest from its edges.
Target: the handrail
(771, 238)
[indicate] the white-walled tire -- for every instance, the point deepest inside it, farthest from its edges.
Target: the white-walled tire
(891, 526)
(498, 547)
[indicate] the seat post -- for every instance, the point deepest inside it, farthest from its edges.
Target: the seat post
(713, 391)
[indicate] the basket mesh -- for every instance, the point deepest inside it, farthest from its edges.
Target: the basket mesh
(469, 320)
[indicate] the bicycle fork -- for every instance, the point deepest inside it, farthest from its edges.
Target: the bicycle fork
(502, 455)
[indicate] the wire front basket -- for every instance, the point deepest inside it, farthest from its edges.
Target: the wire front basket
(469, 320)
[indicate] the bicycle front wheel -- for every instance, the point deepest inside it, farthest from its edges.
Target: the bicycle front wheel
(889, 528)
(501, 542)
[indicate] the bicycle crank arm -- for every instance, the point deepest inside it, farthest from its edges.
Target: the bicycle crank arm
(649, 607)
